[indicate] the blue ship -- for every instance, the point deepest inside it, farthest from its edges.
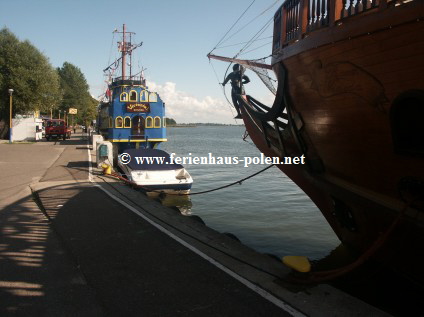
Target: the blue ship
(132, 118)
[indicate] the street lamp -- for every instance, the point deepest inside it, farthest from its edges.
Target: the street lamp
(10, 115)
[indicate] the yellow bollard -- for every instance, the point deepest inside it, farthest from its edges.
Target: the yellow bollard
(298, 263)
(107, 169)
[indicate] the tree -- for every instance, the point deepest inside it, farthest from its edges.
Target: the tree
(89, 113)
(75, 93)
(74, 87)
(29, 73)
(170, 121)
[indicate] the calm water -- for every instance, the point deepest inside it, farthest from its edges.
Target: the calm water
(268, 212)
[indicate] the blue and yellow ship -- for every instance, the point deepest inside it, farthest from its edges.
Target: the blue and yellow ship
(132, 118)
(131, 115)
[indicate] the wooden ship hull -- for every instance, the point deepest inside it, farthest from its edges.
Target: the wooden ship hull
(350, 98)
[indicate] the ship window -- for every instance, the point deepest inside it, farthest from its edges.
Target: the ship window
(153, 97)
(110, 122)
(133, 95)
(127, 122)
(124, 96)
(149, 122)
(164, 121)
(407, 114)
(138, 125)
(157, 122)
(118, 122)
(144, 96)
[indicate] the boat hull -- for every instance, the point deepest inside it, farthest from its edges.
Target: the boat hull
(343, 101)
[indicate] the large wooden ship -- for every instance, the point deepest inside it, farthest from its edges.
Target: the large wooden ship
(350, 98)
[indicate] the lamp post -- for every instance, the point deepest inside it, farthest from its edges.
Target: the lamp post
(59, 113)
(10, 115)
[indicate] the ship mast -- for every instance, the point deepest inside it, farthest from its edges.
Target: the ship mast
(125, 48)
(124, 52)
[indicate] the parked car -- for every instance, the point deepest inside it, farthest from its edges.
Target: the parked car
(57, 128)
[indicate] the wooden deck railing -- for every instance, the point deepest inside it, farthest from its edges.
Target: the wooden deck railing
(295, 18)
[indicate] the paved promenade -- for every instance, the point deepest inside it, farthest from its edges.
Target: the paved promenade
(99, 248)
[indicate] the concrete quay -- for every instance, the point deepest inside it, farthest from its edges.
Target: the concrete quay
(76, 243)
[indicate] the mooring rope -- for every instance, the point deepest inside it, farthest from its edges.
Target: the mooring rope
(239, 182)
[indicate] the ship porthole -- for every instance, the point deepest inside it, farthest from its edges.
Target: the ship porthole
(406, 114)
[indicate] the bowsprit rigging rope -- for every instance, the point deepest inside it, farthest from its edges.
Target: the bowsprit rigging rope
(244, 26)
(234, 24)
(231, 106)
(259, 33)
(262, 73)
(237, 44)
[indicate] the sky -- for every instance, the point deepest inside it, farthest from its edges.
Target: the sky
(176, 36)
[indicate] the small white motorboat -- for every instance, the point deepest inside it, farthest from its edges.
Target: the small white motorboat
(153, 170)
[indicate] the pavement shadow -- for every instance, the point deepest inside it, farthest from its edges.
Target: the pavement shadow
(37, 277)
(79, 141)
(136, 269)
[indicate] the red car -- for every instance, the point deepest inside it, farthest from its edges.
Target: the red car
(57, 128)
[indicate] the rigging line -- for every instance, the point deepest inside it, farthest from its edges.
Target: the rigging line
(254, 49)
(263, 12)
(225, 94)
(234, 183)
(232, 26)
(111, 47)
(222, 87)
(264, 38)
(110, 55)
(259, 33)
(262, 58)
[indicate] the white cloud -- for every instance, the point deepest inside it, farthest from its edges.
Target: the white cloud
(185, 108)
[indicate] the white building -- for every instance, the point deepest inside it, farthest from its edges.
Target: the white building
(27, 128)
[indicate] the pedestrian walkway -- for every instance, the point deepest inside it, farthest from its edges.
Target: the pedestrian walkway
(137, 270)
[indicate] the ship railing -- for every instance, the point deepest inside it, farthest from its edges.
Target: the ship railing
(127, 78)
(137, 80)
(296, 18)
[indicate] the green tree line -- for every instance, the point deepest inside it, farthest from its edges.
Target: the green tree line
(37, 85)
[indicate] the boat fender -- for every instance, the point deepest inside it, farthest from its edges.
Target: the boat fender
(197, 219)
(232, 236)
(297, 263)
